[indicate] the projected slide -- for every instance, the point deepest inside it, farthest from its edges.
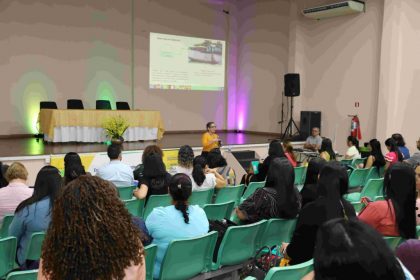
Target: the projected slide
(186, 63)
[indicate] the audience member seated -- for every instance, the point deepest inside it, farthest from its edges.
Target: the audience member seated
(178, 221)
(34, 214)
(394, 155)
(309, 191)
(326, 151)
(275, 150)
(394, 216)
(3, 169)
(73, 167)
(185, 160)
(278, 199)
(248, 177)
(399, 139)
(414, 160)
(91, 235)
(409, 254)
(16, 191)
(314, 141)
(210, 140)
(375, 158)
(353, 150)
(215, 160)
(332, 185)
(288, 152)
(204, 178)
(115, 171)
(155, 178)
(349, 249)
(151, 149)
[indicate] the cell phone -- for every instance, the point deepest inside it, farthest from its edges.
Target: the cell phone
(255, 164)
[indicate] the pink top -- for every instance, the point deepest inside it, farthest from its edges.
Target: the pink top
(134, 272)
(391, 157)
(289, 157)
(11, 196)
(381, 216)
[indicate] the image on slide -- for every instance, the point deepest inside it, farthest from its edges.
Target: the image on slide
(206, 52)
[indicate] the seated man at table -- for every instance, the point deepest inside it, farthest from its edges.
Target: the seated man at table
(314, 141)
(115, 171)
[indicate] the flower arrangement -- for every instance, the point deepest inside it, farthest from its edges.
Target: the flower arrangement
(115, 127)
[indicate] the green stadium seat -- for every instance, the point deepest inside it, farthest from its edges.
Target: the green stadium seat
(346, 162)
(135, 206)
(372, 189)
(126, 193)
(156, 201)
(229, 193)
(357, 178)
(300, 173)
(7, 254)
(372, 174)
(358, 206)
(277, 231)
(33, 251)
(150, 251)
(418, 231)
(186, 258)
(252, 187)
(4, 230)
(219, 211)
(23, 275)
(293, 272)
(201, 198)
(355, 162)
(393, 241)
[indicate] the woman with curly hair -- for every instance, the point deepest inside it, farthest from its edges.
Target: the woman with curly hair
(185, 160)
(91, 235)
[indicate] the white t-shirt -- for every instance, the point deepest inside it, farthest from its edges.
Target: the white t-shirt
(352, 152)
(180, 169)
(209, 183)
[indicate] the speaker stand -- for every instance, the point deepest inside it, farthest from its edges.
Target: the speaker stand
(288, 132)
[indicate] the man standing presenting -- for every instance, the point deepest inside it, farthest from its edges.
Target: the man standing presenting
(314, 141)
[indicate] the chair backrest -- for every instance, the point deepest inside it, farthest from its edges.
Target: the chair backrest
(126, 192)
(373, 188)
(229, 193)
(75, 104)
(7, 254)
(201, 197)
(186, 258)
(47, 105)
(239, 244)
(122, 105)
(33, 251)
(156, 201)
(277, 231)
(293, 272)
(23, 275)
(103, 105)
(418, 231)
(355, 162)
(135, 206)
(357, 177)
(346, 161)
(358, 206)
(4, 230)
(252, 187)
(150, 251)
(393, 241)
(300, 173)
(219, 211)
(372, 174)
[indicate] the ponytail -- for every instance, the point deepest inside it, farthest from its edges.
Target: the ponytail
(183, 207)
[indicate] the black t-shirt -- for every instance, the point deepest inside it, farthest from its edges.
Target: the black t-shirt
(156, 185)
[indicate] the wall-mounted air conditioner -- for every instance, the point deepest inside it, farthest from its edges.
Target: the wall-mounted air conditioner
(335, 9)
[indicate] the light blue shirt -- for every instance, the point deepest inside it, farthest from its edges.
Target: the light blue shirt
(117, 172)
(33, 218)
(167, 223)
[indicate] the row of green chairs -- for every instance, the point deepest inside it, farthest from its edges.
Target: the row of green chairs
(293, 272)
(23, 275)
(372, 189)
(354, 163)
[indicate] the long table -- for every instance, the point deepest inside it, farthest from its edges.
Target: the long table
(86, 125)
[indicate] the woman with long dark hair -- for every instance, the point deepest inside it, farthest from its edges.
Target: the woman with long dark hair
(353, 148)
(399, 140)
(278, 199)
(309, 191)
(34, 214)
(275, 150)
(332, 185)
(91, 235)
(326, 151)
(177, 221)
(155, 179)
(395, 216)
(204, 178)
(394, 155)
(375, 158)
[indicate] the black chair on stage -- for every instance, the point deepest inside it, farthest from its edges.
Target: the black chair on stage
(47, 105)
(75, 104)
(103, 105)
(122, 105)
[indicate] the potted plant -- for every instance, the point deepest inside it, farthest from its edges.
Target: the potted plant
(115, 127)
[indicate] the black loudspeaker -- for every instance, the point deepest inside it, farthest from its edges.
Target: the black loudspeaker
(309, 120)
(291, 85)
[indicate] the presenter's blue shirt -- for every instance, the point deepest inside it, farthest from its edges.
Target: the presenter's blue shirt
(33, 218)
(167, 223)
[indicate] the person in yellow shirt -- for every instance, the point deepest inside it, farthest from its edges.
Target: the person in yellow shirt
(210, 139)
